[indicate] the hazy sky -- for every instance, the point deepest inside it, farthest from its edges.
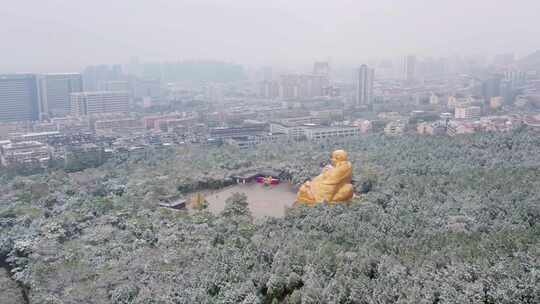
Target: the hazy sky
(67, 34)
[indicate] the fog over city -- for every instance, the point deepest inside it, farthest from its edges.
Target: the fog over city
(58, 34)
(269, 152)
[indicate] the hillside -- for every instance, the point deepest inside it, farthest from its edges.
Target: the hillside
(440, 220)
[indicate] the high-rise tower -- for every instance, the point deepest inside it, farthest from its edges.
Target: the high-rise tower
(19, 97)
(364, 86)
(409, 68)
(55, 92)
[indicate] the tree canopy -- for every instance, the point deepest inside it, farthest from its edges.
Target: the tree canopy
(439, 220)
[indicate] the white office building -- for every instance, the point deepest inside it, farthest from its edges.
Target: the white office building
(90, 103)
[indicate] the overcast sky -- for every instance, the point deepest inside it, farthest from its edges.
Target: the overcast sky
(68, 34)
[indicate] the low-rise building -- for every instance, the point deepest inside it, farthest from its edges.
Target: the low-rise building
(422, 127)
(300, 120)
(163, 122)
(245, 130)
(521, 101)
(390, 116)
(72, 124)
(122, 125)
(4, 142)
(365, 125)
(468, 112)
(431, 128)
(43, 137)
(501, 123)
(45, 127)
(245, 142)
(150, 122)
(394, 128)
(496, 102)
(24, 152)
(435, 98)
(9, 129)
(83, 156)
(168, 125)
(532, 121)
(455, 101)
(446, 116)
(292, 131)
(314, 132)
(328, 114)
(460, 127)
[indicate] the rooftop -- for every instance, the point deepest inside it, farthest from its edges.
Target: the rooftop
(22, 145)
(100, 93)
(41, 134)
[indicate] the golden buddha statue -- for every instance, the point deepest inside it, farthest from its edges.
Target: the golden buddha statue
(198, 202)
(332, 186)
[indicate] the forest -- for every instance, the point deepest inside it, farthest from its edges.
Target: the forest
(437, 220)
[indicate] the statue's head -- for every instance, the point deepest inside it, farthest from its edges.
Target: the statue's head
(339, 156)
